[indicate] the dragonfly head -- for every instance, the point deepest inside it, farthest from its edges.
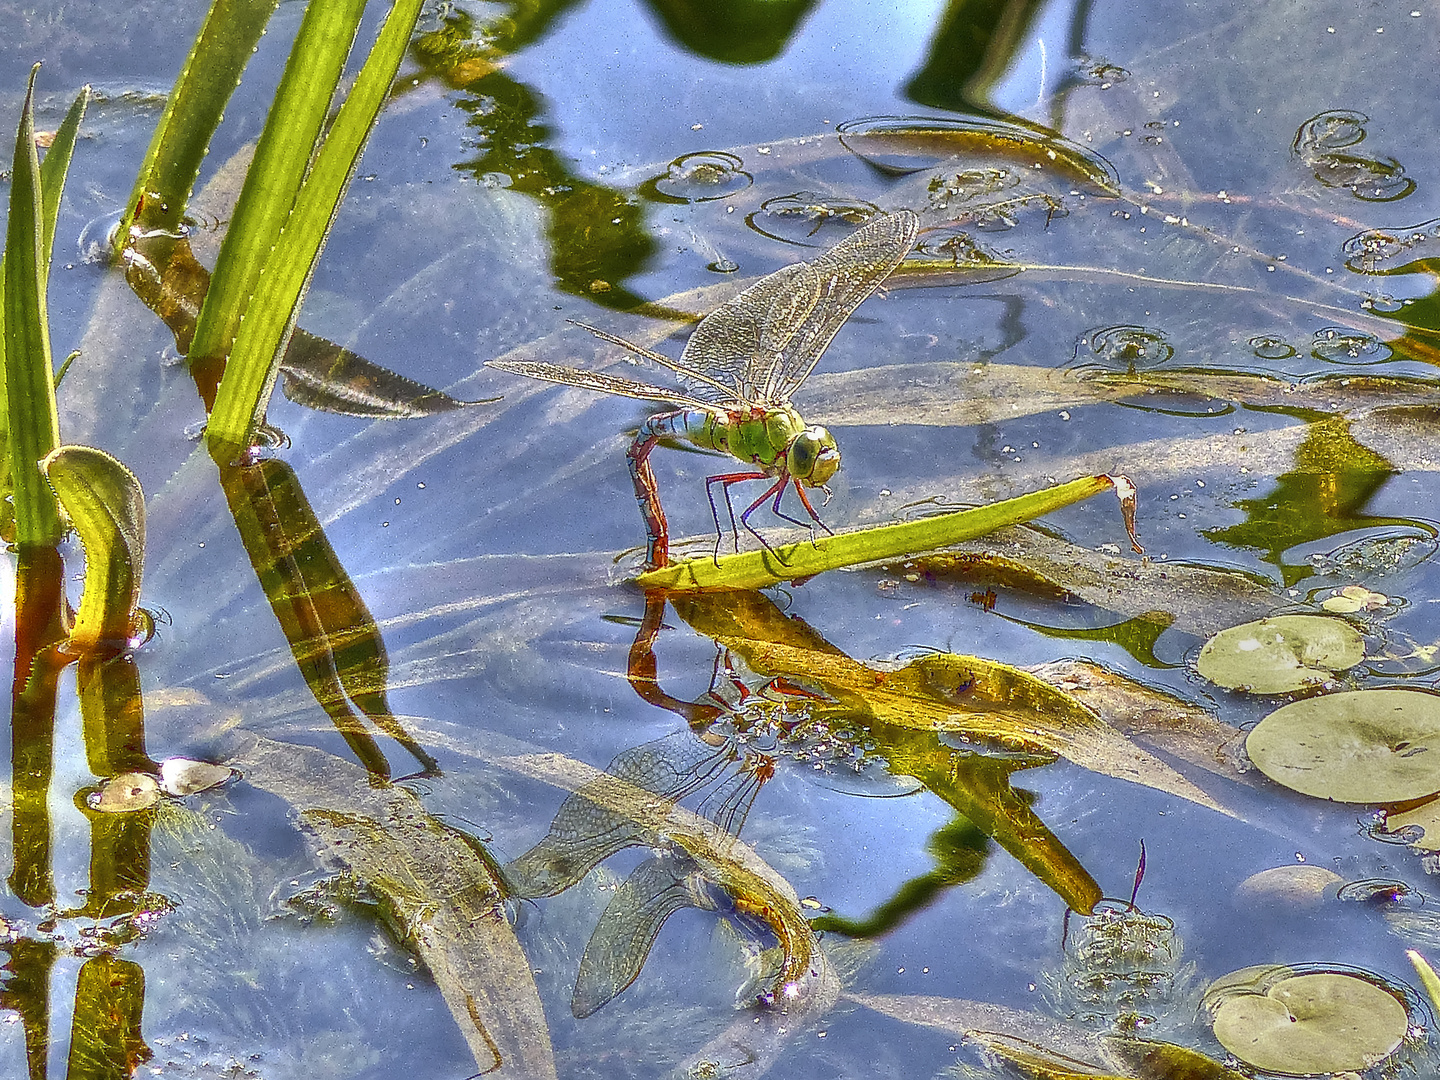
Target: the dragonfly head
(812, 457)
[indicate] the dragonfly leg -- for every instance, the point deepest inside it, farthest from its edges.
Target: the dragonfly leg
(776, 489)
(805, 501)
(725, 480)
(647, 494)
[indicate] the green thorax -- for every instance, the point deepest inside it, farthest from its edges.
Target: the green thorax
(758, 438)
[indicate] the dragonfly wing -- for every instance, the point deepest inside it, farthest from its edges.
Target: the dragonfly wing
(601, 381)
(730, 344)
(839, 280)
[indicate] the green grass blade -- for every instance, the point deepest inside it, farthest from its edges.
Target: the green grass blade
(250, 374)
(192, 113)
(54, 169)
(1428, 978)
(759, 569)
(107, 508)
(281, 159)
(29, 376)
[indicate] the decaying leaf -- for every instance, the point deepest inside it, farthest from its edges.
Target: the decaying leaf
(439, 888)
(125, 793)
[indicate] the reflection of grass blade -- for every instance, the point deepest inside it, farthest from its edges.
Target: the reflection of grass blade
(331, 633)
(758, 569)
(284, 151)
(107, 508)
(271, 311)
(34, 427)
(192, 113)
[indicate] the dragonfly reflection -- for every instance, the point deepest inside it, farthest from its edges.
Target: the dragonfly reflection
(738, 371)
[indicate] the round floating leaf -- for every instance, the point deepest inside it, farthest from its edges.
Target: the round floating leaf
(1326, 1022)
(1282, 654)
(1362, 746)
(1282, 887)
(182, 776)
(125, 793)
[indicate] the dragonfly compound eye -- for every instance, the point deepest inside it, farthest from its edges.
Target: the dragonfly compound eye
(813, 458)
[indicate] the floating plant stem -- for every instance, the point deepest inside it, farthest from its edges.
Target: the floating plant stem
(759, 569)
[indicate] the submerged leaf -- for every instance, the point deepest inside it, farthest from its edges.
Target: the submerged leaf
(322, 375)
(1362, 746)
(1323, 1022)
(906, 144)
(1282, 654)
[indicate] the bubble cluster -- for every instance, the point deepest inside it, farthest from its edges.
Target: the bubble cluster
(1269, 347)
(1319, 143)
(1128, 347)
(1391, 251)
(1338, 345)
(809, 218)
(700, 177)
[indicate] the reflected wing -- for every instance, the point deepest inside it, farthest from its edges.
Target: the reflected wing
(617, 950)
(767, 340)
(597, 380)
(599, 819)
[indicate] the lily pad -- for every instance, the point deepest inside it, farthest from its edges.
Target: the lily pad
(1282, 654)
(1319, 1022)
(1362, 746)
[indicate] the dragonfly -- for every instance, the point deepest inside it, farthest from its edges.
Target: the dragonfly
(737, 373)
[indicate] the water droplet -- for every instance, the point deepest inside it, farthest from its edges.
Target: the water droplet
(701, 177)
(1128, 347)
(1338, 345)
(1267, 347)
(810, 219)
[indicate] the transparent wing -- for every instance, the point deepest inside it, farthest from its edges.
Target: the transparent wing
(598, 380)
(766, 341)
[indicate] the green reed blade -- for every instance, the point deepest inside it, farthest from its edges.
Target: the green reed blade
(281, 158)
(193, 110)
(759, 569)
(107, 508)
(54, 169)
(34, 426)
(250, 375)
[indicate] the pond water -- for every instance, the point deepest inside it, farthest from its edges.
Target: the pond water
(1145, 250)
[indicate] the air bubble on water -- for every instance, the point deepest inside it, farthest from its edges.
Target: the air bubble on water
(723, 266)
(701, 177)
(1125, 347)
(97, 238)
(1268, 347)
(809, 218)
(1339, 345)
